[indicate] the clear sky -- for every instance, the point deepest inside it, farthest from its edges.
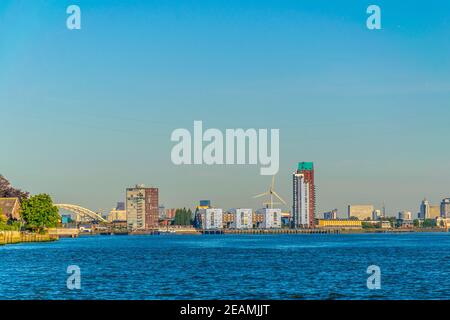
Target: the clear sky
(86, 113)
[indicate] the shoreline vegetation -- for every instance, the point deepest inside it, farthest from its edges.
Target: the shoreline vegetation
(25, 218)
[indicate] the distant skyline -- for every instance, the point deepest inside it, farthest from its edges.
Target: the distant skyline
(87, 113)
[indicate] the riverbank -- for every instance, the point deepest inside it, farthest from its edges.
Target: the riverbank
(12, 237)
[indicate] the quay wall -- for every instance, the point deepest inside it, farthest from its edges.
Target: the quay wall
(11, 237)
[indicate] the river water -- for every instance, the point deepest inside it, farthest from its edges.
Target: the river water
(413, 266)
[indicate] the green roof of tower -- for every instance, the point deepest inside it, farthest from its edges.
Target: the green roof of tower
(305, 166)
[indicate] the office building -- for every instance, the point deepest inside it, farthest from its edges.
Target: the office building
(361, 212)
(445, 208)
(377, 215)
(435, 212)
(142, 208)
(330, 215)
(241, 218)
(304, 196)
(424, 212)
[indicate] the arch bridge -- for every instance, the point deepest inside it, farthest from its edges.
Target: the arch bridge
(81, 212)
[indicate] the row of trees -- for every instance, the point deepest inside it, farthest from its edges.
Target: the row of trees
(183, 217)
(37, 212)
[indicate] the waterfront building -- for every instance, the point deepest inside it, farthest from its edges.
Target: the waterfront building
(286, 219)
(339, 224)
(304, 196)
(377, 215)
(330, 215)
(443, 222)
(211, 218)
(385, 224)
(10, 207)
(258, 219)
(445, 208)
(116, 215)
(361, 212)
(203, 204)
(142, 208)
(405, 219)
(242, 218)
(271, 218)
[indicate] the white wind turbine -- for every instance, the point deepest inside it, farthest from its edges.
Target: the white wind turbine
(271, 192)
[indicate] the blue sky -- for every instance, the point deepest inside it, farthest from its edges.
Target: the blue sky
(87, 113)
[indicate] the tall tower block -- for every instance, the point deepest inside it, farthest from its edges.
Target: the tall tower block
(304, 195)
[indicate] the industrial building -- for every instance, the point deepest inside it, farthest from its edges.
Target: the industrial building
(142, 206)
(361, 212)
(339, 224)
(304, 196)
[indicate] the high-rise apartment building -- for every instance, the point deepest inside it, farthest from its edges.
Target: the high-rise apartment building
(142, 208)
(304, 204)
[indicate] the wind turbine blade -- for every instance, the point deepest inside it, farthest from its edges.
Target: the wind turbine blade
(273, 182)
(276, 195)
(260, 195)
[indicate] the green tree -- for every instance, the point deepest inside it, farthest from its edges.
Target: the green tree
(183, 217)
(39, 212)
(429, 223)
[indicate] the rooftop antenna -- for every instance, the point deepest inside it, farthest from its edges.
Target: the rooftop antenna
(271, 192)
